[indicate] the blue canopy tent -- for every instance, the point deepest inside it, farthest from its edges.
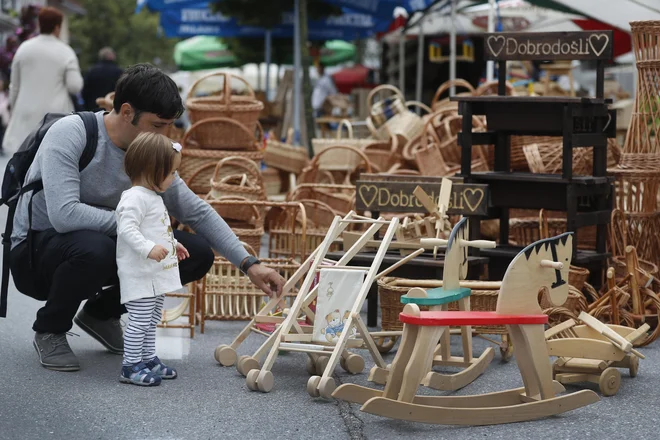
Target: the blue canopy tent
(358, 22)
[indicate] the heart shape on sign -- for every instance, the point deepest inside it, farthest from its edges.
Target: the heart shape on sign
(474, 198)
(595, 41)
(366, 196)
(496, 44)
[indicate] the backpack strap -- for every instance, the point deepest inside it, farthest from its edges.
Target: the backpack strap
(92, 136)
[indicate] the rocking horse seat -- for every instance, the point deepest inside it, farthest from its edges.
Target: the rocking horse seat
(437, 296)
(458, 318)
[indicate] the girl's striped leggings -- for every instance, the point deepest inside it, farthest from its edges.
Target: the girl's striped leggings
(140, 334)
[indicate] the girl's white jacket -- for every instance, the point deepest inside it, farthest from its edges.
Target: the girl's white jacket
(142, 223)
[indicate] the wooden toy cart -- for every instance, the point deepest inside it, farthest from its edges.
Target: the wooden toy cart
(592, 352)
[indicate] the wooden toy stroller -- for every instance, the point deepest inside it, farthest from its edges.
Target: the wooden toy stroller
(438, 299)
(592, 352)
(292, 335)
(544, 264)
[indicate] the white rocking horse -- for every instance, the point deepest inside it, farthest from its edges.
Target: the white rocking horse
(544, 264)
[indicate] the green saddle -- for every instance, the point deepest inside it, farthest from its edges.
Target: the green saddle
(438, 296)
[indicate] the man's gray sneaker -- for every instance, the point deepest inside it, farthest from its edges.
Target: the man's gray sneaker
(54, 352)
(108, 333)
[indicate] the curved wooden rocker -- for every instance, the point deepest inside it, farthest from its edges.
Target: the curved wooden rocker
(544, 264)
(438, 299)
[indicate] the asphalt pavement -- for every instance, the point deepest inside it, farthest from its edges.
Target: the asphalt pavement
(209, 401)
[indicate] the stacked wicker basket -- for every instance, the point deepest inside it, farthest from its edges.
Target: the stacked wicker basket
(222, 153)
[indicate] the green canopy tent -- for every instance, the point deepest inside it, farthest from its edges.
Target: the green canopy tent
(336, 52)
(203, 52)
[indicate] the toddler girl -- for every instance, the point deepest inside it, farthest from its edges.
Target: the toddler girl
(147, 254)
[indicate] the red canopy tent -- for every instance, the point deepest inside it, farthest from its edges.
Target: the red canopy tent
(358, 76)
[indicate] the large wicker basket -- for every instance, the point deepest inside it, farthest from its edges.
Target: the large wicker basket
(243, 109)
(339, 159)
(483, 298)
(283, 155)
(221, 133)
(228, 294)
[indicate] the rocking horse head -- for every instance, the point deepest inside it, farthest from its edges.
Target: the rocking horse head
(456, 256)
(541, 265)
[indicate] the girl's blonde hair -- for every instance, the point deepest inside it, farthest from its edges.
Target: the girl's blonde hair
(150, 157)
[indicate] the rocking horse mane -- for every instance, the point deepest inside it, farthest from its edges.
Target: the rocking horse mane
(545, 243)
(453, 236)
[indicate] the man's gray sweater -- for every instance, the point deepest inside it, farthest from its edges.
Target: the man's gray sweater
(73, 200)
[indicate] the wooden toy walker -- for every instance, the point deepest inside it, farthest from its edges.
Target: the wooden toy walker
(438, 299)
(341, 290)
(542, 264)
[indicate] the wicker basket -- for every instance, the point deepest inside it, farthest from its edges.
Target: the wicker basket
(249, 232)
(243, 109)
(296, 236)
(272, 181)
(576, 302)
(198, 166)
(439, 104)
(252, 187)
(341, 198)
(221, 133)
(285, 156)
(339, 159)
(390, 289)
(385, 109)
(228, 294)
(383, 154)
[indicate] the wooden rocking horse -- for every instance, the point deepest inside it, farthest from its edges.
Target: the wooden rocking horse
(439, 299)
(544, 264)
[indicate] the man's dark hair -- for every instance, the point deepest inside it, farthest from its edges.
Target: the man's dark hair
(148, 90)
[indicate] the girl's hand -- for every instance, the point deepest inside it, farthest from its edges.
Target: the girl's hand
(181, 252)
(158, 253)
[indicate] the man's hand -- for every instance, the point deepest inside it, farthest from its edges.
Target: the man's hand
(158, 253)
(266, 279)
(181, 252)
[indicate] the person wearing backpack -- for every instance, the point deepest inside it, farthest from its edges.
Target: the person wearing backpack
(63, 242)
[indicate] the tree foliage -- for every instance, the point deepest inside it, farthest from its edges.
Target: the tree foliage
(134, 37)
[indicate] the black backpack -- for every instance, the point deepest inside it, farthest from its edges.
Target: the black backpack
(13, 182)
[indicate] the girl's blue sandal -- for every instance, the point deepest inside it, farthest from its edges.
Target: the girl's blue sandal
(139, 374)
(161, 370)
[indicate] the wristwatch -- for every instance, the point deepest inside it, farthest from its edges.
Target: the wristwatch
(248, 263)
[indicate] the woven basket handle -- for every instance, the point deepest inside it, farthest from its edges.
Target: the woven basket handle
(249, 248)
(382, 88)
(198, 171)
(225, 86)
(224, 120)
(491, 86)
(343, 147)
(445, 86)
(243, 179)
(349, 127)
(420, 105)
(241, 162)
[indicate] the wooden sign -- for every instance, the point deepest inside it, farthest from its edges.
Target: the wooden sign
(592, 45)
(387, 196)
